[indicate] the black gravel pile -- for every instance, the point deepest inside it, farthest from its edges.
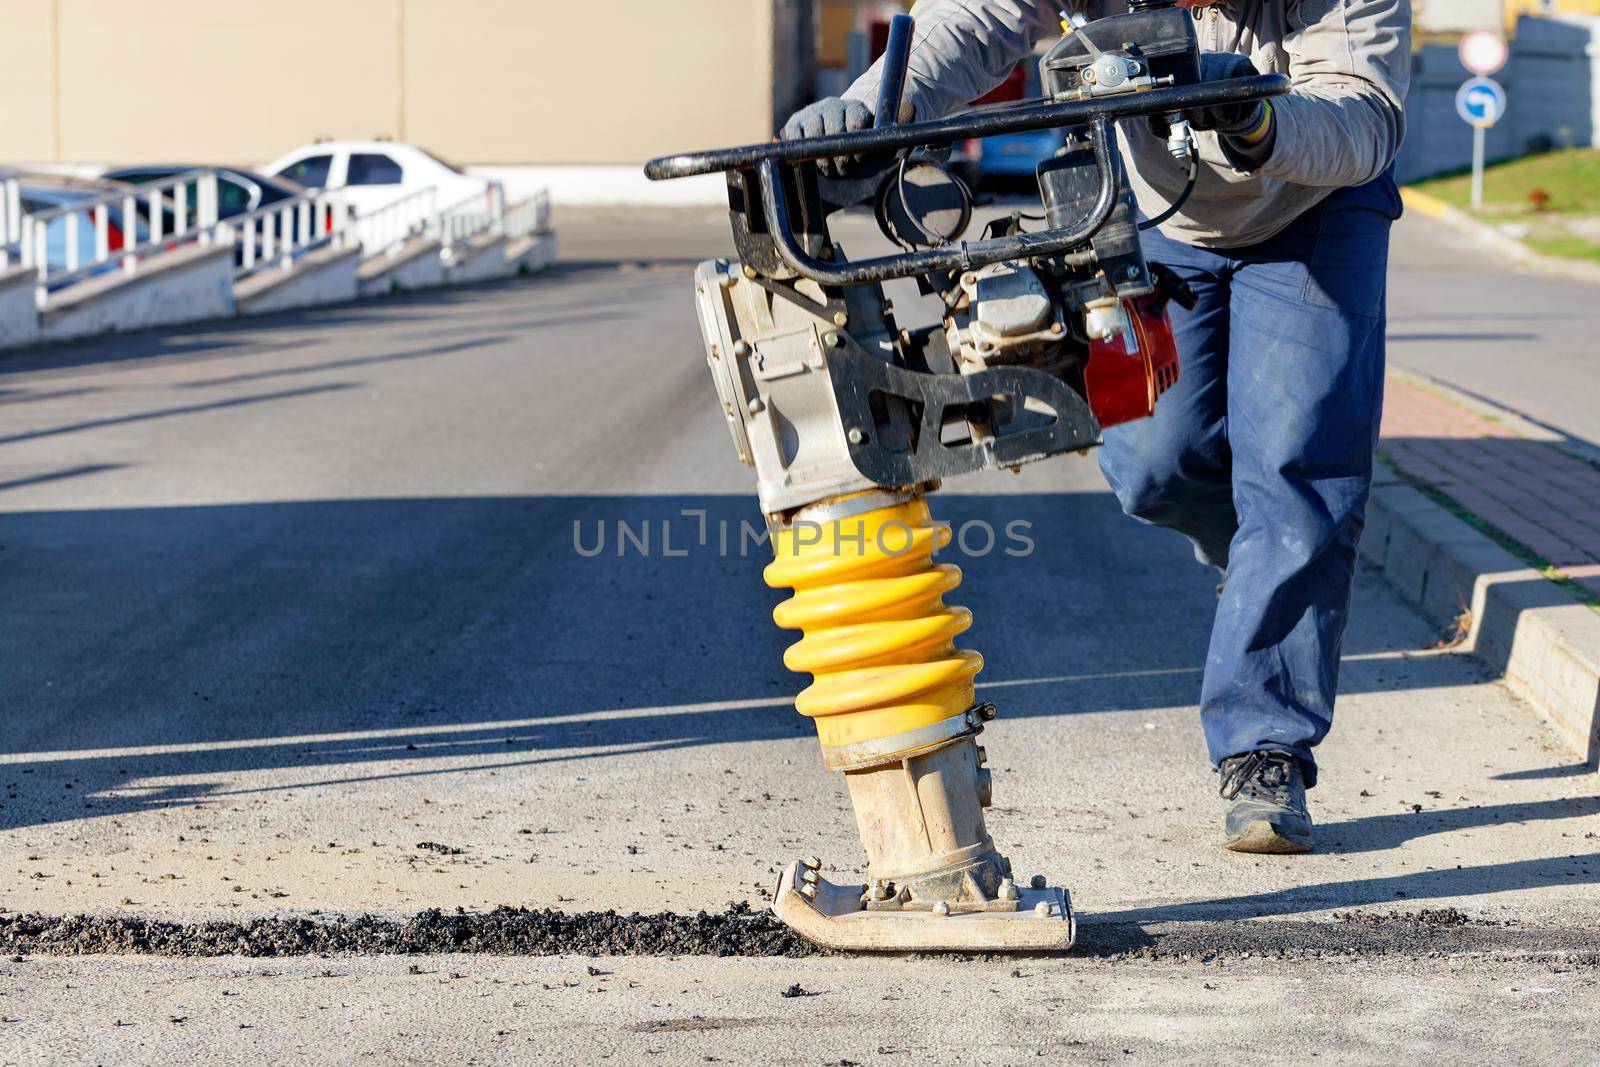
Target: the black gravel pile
(738, 931)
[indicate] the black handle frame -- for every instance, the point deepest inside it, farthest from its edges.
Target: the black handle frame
(982, 122)
(774, 164)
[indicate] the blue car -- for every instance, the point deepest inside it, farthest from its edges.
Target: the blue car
(1010, 155)
(45, 192)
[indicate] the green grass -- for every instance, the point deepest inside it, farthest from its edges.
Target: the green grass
(1570, 176)
(1569, 245)
(1570, 179)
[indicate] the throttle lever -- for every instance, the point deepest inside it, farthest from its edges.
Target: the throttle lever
(1172, 287)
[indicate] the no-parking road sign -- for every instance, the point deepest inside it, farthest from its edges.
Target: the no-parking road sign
(1484, 52)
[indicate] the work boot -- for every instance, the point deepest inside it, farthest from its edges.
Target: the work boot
(1268, 811)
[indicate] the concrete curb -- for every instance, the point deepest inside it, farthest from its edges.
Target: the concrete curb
(415, 265)
(192, 283)
(19, 309)
(326, 276)
(532, 252)
(478, 259)
(1542, 642)
(1509, 247)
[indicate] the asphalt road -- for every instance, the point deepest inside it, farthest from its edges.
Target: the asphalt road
(1524, 342)
(283, 600)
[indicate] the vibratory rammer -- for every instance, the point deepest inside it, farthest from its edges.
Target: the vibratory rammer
(850, 419)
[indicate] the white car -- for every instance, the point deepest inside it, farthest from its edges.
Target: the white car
(373, 174)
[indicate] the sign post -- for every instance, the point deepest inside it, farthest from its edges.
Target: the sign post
(1480, 102)
(1477, 166)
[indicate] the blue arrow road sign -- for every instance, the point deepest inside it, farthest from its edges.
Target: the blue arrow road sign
(1480, 101)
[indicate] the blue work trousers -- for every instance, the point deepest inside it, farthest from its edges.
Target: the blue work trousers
(1261, 455)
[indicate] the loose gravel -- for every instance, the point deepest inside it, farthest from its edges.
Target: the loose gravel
(740, 931)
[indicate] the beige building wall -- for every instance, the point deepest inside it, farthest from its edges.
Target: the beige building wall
(180, 80)
(27, 80)
(586, 82)
(479, 81)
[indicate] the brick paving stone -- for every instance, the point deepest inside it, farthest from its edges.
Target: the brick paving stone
(1546, 500)
(1571, 529)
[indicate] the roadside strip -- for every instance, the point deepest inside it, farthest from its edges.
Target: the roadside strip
(1522, 613)
(1508, 247)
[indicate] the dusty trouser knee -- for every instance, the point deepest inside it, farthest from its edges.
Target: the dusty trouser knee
(1159, 480)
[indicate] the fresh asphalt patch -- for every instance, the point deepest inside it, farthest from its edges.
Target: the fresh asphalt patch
(741, 931)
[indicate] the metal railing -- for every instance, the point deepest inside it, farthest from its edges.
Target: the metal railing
(122, 235)
(129, 227)
(527, 216)
(276, 235)
(10, 221)
(385, 230)
(479, 214)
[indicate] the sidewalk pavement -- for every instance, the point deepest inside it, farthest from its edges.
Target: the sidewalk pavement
(1535, 498)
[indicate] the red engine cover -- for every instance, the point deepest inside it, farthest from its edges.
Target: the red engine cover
(1126, 374)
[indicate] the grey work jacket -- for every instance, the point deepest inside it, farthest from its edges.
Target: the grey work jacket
(1348, 61)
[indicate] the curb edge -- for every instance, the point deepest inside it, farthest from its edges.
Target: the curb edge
(1541, 642)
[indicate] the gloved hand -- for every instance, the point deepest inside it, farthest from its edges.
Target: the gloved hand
(830, 116)
(1228, 119)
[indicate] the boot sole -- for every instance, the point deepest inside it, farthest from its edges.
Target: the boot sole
(1260, 838)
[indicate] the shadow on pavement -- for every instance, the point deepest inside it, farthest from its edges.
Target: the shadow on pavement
(1376, 833)
(380, 636)
(288, 330)
(58, 475)
(346, 364)
(1565, 770)
(170, 412)
(1360, 892)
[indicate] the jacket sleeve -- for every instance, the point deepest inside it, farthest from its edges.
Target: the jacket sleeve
(961, 50)
(1349, 66)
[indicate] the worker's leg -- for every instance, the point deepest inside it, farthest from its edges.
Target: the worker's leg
(1172, 468)
(1305, 388)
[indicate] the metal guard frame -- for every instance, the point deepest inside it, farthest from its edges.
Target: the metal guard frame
(856, 376)
(775, 161)
(960, 255)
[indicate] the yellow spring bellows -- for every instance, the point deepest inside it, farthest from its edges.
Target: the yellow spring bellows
(878, 638)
